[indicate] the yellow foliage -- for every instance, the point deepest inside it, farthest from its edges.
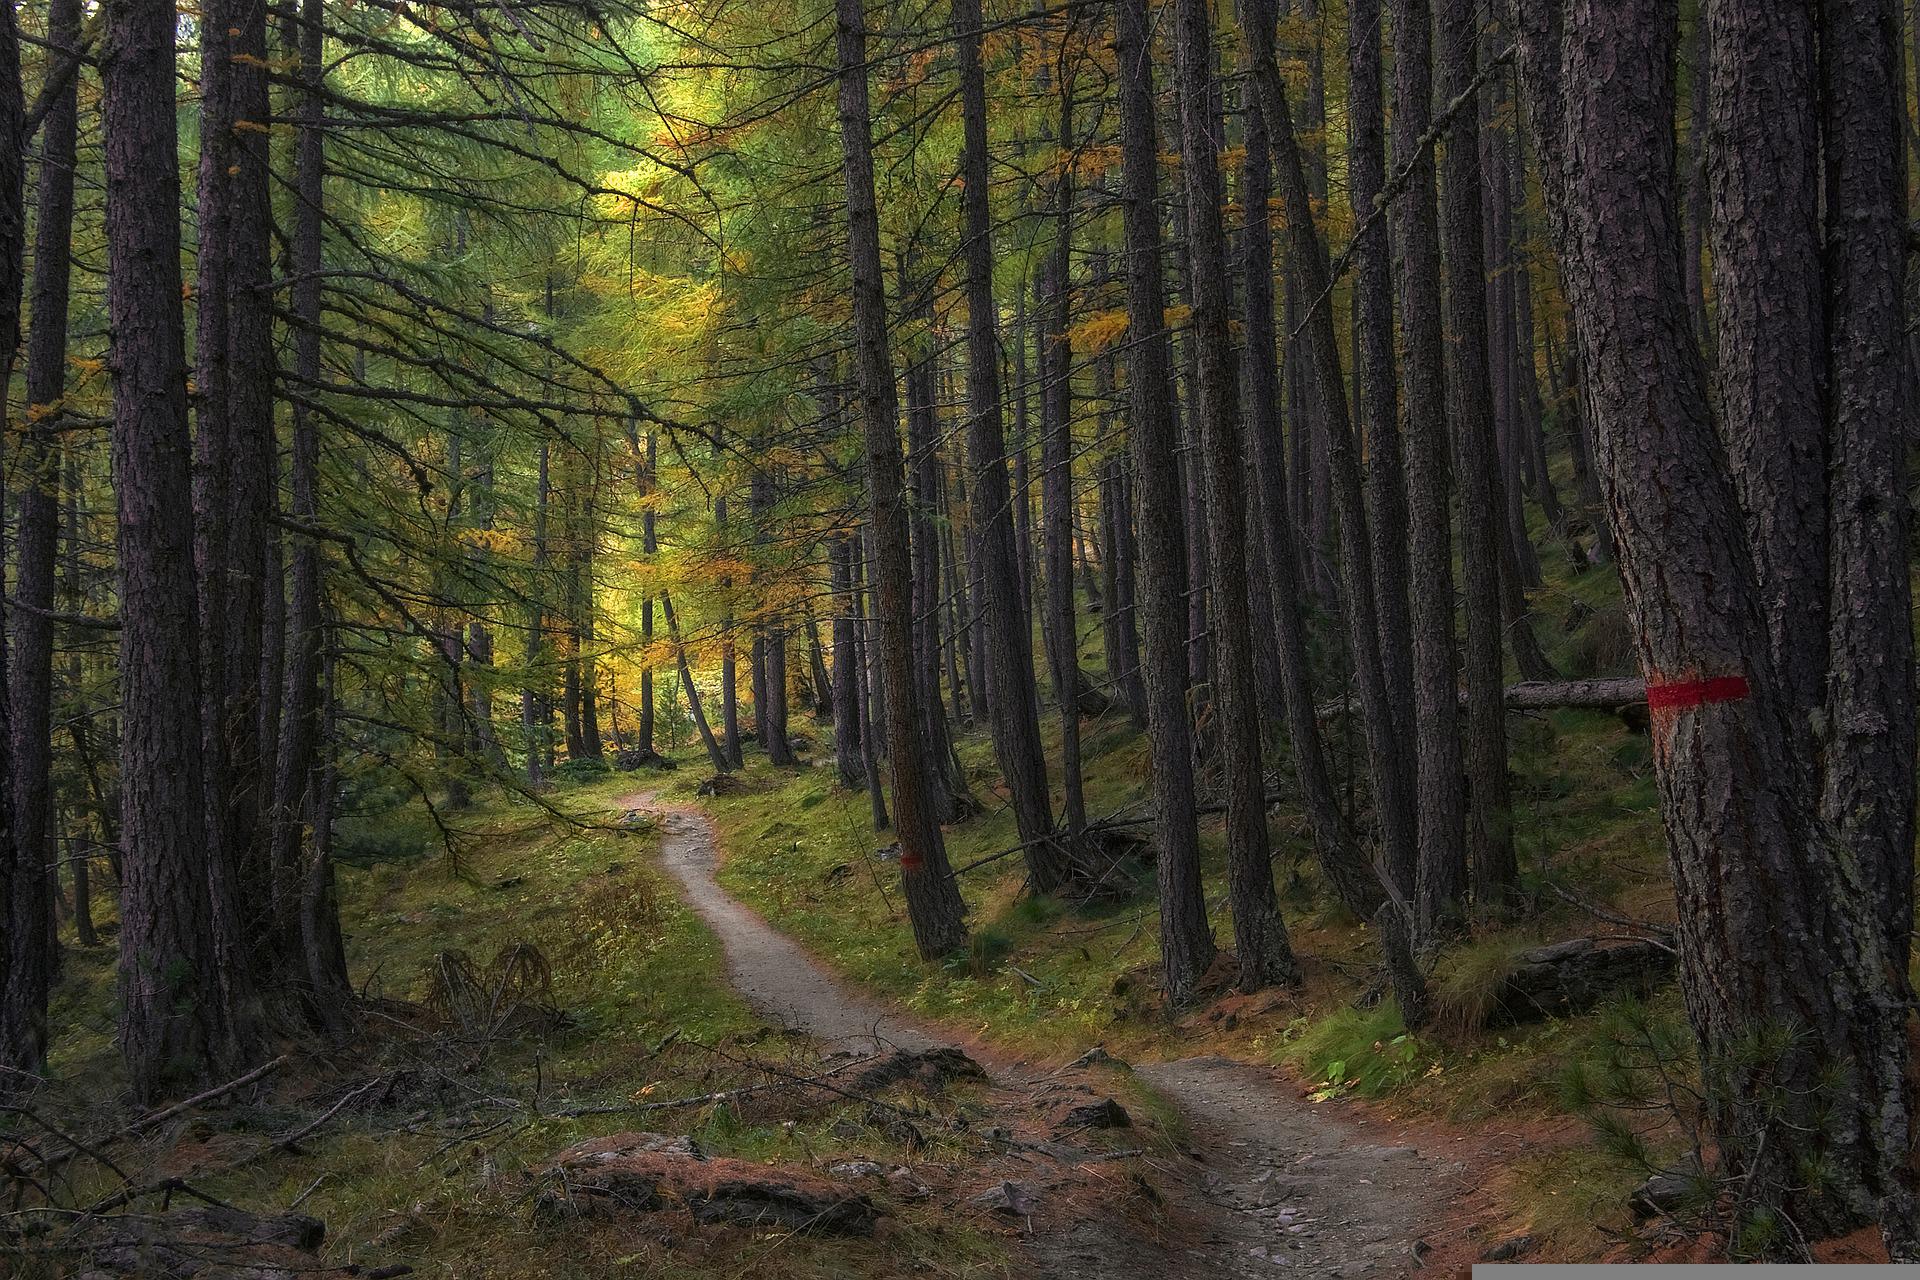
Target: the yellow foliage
(1099, 331)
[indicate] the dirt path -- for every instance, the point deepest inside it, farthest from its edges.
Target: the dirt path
(1272, 1185)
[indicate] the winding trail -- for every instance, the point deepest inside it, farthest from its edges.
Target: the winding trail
(1272, 1184)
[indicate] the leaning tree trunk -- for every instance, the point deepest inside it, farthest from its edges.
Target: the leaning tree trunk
(1341, 861)
(1800, 1017)
(933, 900)
(1266, 955)
(1393, 801)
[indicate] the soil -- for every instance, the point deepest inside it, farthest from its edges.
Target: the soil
(1271, 1183)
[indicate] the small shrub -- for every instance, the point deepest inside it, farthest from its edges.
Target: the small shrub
(1365, 1051)
(583, 769)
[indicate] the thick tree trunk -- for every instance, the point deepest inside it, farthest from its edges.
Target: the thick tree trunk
(1011, 696)
(174, 1021)
(933, 900)
(1785, 965)
(1763, 174)
(1868, 790)
(1265, 954)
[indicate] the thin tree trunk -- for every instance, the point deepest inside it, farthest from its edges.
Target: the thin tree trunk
(1392, 780)
(1062, 632)
(1265, 954)
(1470, 409)
(26, 975)
(1011, 695)
(933, 900)
(1186, 941)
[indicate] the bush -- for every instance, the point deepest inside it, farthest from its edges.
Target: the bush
(1367, 1051)
(584, 769)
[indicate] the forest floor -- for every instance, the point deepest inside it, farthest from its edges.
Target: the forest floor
(1262, 1179)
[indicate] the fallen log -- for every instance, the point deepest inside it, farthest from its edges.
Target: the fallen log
(1625, 696)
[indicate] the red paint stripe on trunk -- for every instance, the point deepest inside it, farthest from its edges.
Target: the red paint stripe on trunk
(1682, 694)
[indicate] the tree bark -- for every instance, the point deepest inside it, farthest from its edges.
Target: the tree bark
(174, 1021)
(1763, 176)
(26, 977)
(1186, 941)
(1784, 961)
(933, 900)
(1011, 695)
(1469, 408)
(1393, 801)
(1265, 954)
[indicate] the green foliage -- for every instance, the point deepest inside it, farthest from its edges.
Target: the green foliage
(1363, 1051)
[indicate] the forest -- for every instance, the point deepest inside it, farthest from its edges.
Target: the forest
(856, 638)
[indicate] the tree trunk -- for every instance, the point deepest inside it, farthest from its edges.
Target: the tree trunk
(536, 721)
(716, 754)
(1061, 632)
(174, 1022)
(1340, 860)
(1260, 933)
(1391, 778)
(1470, 409)
(1186, 941)
(933, 900)
(1784, 962)
(1868, 790)
(25, 977)
(1763, 176)
(846, 665)
(1011, 696)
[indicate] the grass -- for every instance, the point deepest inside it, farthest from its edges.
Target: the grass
(438, 1182)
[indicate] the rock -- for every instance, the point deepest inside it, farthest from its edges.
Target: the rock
(1510, 1248)
(1094, 1057)
(601, 1178)
(619, 1146)
(857, 1169)
(929, 1068)
(1104, 1114)
(1669, 1191)
(1575, 975)
(628, 761)
(1015, 1199)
